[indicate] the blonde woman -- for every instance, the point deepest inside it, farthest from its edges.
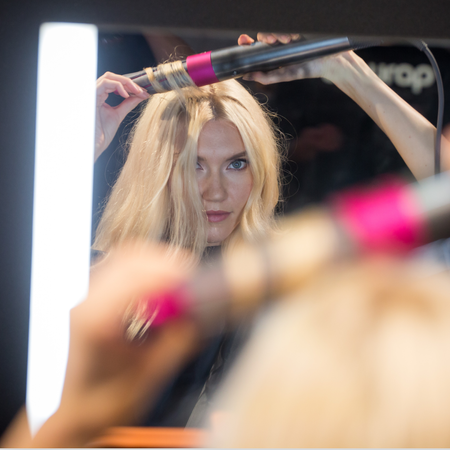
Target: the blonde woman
(202, 170)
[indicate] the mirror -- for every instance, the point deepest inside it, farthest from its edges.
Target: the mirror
(331, 143)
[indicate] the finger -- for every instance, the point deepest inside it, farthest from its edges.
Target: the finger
(129, 85)
(276, 76)
(107, 86)
(129, 104)
(272, 38)
(268, 38)
(245, 39)
(132, 271)
(284, 38)
(268, 77)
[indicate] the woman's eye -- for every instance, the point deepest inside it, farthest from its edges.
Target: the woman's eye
(198, 166)
(239, 164)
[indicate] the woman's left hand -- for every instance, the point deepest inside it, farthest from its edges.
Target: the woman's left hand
(326, 67)
(410, 132)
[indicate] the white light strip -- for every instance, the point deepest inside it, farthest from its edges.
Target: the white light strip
(67, 65)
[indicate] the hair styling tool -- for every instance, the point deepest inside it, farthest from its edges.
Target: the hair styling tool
(234, 62)
(390, 217)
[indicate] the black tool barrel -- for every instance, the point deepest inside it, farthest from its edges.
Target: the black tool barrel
(233, 62)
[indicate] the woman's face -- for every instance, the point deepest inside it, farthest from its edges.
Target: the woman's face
(224, 177)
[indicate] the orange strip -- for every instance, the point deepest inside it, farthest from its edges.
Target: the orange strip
(125, 437)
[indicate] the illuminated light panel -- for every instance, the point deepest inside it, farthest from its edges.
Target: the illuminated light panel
(67, 69)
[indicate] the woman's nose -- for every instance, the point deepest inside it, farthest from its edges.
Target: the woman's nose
(213, 188)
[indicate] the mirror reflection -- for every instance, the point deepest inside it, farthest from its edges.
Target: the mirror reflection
(329, 141)
(206, 168)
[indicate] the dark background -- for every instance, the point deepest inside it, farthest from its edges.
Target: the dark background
(19, 29)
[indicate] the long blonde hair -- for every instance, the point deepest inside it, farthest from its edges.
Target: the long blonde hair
(359, 358)
(156, 195)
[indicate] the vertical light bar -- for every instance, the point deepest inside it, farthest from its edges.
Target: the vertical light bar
(65, 124)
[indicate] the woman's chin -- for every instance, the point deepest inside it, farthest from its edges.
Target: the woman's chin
(217, 233)
(215, 239)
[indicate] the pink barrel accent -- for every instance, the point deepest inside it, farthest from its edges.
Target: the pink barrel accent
(200, 69)
(168, 305)
(384, 218)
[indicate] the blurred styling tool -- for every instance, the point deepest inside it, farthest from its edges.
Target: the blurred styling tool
(389, 217)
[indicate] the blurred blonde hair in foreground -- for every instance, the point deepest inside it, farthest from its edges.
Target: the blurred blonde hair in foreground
(358, 358)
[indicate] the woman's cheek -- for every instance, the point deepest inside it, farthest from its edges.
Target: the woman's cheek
(243, 188)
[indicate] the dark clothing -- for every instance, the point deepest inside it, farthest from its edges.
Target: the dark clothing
(230, 348)
(195, 386)
(187, 399)
(175, 405)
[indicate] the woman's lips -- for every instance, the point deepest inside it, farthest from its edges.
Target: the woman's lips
(217, 216)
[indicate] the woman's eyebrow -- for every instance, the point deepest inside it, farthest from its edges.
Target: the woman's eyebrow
(236, 156)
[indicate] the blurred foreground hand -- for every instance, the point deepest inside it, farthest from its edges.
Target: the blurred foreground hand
(109, 380)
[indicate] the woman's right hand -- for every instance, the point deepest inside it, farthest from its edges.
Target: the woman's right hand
(108, 118)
